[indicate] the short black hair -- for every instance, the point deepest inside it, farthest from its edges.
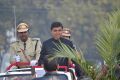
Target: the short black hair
(50, 65)
(56, 24)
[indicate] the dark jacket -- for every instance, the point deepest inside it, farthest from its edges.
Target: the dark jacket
(49, 47)
(52, 76)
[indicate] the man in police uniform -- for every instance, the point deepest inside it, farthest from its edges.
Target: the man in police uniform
(25, 49)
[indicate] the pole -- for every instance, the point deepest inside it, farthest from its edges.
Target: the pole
(14, 10)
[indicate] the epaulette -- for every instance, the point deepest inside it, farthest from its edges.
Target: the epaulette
(15, 42)
(35, 39)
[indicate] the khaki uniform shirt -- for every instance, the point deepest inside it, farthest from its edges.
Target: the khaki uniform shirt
(17, 48)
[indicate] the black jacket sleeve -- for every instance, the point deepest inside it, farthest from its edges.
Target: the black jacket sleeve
(41, 58)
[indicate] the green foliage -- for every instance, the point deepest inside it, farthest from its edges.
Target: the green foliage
(66, 51)
(108, 42)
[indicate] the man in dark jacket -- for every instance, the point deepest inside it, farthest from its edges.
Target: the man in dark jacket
(49, 45)
(51, 68)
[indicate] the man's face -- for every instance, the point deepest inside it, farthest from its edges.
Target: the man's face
(23, 36)
(56, 32)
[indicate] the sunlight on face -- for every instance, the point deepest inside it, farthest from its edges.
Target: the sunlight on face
(56, 32)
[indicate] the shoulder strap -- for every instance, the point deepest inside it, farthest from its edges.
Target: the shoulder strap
(36, 45)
